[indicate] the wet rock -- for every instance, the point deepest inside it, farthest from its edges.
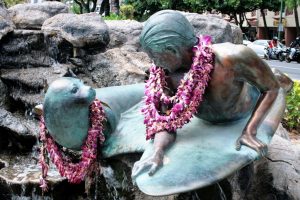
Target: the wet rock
(20, 180)
(86, 30)
(32, 79)
(219, 29)
(23, 41)
(124, 33)
(33, 59)
(8, 121)
(24, 48)
(3, 93)
(32, 16)
(14, 134)
(6, 24)
(27, 86)
(123, 67)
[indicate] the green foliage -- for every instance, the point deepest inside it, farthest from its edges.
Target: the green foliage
(75, 8)
(145, 8)
(114, 16)
(291, 4)
(127, 11)
(292, 113)
(9, 3)
(273, 5)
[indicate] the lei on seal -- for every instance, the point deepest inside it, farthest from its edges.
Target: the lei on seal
(74, 172)
(188, 97)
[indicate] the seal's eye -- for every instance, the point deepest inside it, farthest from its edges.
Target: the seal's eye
(74, 90)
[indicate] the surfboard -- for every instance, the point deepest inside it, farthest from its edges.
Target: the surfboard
(202, 154)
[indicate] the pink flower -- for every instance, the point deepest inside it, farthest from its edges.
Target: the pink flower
(74, 172)
(206, 39)
(189, 93)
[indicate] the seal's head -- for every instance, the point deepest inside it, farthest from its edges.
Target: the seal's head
(66, 111)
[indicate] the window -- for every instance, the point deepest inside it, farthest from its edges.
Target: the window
(253, 13)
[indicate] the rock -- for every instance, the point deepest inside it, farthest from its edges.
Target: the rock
(23, 41)
(32, 79)
(32, 16)
(219, 29)
(30, 48)
(3, 93)
(20, 178)
(83, 31)
(124, 33)
(275, 176)
(123, 67)
(278, 175)
(6, 24)
(24, 48)
(26, 86)
(237, 34)
(14, 133)
(1, 3)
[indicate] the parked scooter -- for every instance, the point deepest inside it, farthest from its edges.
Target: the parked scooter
(295, 57)
(276, 53)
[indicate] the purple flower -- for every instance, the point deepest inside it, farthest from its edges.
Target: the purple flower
(189, 93)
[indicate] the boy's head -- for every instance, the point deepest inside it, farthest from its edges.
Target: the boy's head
(166, 37)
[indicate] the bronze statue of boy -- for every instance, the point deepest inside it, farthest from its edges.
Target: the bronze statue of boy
(168, 39)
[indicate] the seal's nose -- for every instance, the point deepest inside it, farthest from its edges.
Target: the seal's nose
(87, 93)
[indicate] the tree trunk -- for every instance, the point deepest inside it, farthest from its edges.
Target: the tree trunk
(241, 21)
(297, 21)
(105, 9)
(265, 24)
(94, 5)
(235, 19)
(80, 6)
(249, 25)
(87, 7)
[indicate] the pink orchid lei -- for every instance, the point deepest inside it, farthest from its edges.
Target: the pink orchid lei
(188, 97)
(74, 172)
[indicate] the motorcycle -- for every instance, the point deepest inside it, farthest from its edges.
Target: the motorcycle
(276, 53)
(295, 57)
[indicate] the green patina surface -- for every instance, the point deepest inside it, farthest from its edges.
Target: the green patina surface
(203, 153)
(66, 111)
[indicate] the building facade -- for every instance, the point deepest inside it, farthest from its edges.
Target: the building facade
(257, 30)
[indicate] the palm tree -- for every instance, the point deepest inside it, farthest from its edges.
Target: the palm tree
(293, 4)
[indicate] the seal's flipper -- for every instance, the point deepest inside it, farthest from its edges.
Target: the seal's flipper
(126, 121)
(129, 135)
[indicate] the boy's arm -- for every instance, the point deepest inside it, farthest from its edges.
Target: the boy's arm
(250, 68)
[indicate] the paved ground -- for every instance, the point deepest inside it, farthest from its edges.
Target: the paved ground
(292, 69)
